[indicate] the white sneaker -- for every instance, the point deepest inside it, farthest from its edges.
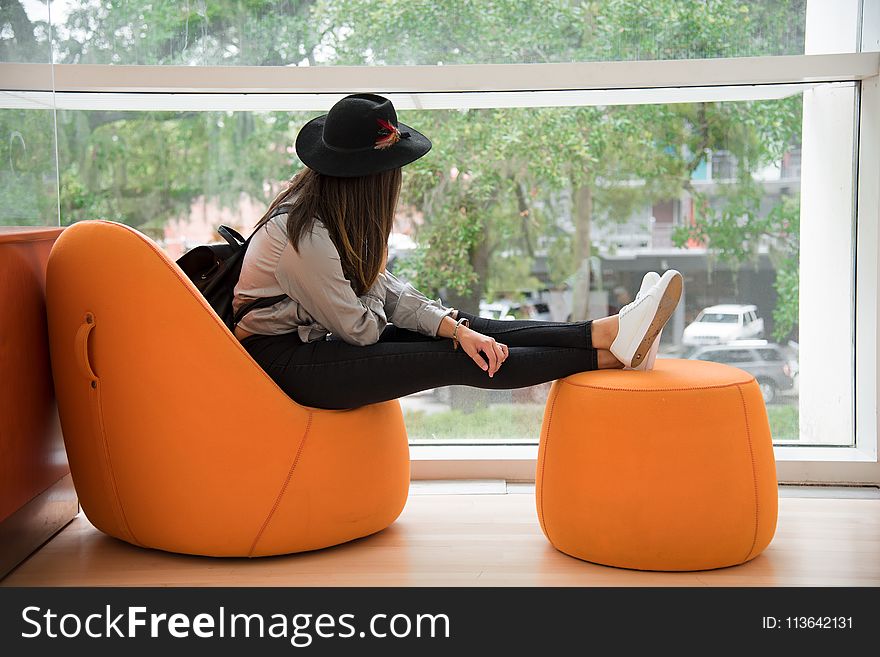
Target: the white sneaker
(649, 281)
(642, 320)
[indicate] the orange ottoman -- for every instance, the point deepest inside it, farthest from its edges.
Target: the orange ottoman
(671, 469)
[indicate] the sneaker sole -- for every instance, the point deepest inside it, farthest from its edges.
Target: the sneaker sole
(668, 302)
(648, 363)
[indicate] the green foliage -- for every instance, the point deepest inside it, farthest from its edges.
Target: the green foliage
(517, 169)
(523, 422)
(28, 181)
(509, 277)
(505, 31)
(505, 421)
(784, 227)
(736, 232)
(145, 168)
(212, 32)
(784, 422)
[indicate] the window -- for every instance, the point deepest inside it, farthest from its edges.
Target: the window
(770, 354)
(176, 175)
(737, 356)
(719, 318)
(739, 174)
(293, 32)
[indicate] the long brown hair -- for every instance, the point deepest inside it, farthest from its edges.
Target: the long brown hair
(357, 212)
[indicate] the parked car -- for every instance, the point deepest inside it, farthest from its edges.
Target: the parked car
(720, 324)
(499, 310)
(506, 310)
(773, 366)
(527, 310)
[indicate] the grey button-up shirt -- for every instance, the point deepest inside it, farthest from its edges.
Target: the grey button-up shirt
(320, 299)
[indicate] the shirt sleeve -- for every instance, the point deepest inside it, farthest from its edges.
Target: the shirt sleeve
(408, 308)
(313, 276)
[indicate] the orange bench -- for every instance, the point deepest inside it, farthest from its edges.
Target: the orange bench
(36, 494)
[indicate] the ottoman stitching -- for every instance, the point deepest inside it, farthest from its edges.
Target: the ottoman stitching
(544, 462)
(754, 473)
(283, 488)
(715, 387)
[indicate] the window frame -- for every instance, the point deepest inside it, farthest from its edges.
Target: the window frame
(855, 464)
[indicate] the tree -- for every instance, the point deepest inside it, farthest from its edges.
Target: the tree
(144, 168)
(499, 186)
(606, 160)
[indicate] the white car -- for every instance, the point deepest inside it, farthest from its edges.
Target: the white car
(507, 311)
(499, 310)
(721, 324)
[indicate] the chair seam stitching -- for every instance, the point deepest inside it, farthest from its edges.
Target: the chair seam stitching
(125, 524)
(754, 473)
(284, 486)
(542, 517)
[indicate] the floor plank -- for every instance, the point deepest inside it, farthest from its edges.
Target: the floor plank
(472, 540)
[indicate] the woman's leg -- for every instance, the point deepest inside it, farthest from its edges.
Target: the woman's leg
(335, 374)
(533, 333)
(601, 332)
(527, 332)
(595, 334)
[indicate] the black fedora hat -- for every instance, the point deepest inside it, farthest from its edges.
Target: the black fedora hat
(360, 135)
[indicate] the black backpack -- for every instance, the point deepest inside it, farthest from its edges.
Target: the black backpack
(214, 269)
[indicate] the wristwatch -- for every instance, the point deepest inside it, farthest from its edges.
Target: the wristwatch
(464, 321)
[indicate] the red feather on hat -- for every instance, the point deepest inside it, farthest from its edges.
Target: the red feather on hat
(389, 137)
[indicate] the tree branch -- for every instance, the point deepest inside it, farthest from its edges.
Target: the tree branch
(525, 215)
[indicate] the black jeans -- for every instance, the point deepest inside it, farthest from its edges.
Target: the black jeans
(335, 374)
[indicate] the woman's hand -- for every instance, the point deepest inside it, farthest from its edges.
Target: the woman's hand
(475, 344)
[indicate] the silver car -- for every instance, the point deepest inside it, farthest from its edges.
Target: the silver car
(773, 366)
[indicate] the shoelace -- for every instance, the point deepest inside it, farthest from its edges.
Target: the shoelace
(642, 292)
(635, 304)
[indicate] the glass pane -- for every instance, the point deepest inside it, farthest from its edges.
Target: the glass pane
(28, 174)
(28, 178)
(376, 32)
(25, 36)
(175, 176)
(550, 213)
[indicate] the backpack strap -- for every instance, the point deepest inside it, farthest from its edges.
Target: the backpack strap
(263, 302)
(232, 236)
(284, 208)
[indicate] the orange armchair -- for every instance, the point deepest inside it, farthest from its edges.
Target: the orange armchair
(177, 439)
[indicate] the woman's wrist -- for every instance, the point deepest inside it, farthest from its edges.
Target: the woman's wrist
(447, 327)
(458, 332)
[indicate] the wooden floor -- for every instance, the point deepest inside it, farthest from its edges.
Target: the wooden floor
(473, 540)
